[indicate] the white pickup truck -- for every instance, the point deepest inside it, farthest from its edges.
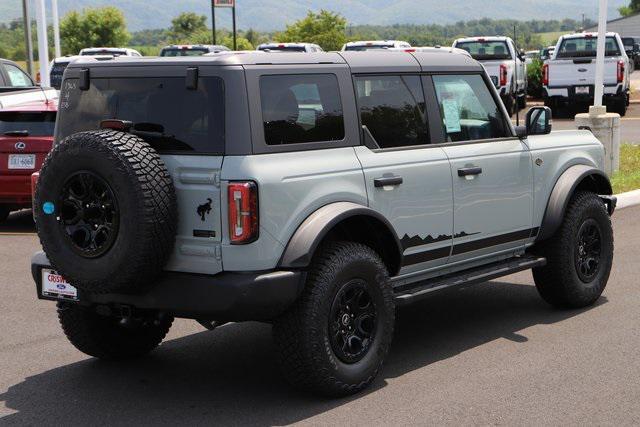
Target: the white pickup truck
(502, 59)
(569, 75)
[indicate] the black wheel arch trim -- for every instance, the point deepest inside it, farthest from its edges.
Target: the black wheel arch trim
(565, 187)
(299, 251)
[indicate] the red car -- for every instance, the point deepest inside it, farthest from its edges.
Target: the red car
(26, 136)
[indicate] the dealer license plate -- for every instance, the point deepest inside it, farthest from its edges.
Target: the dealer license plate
(582, 90)
(22, 161)
(55, 286)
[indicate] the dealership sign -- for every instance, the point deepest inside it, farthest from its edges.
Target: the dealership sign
(224, 3)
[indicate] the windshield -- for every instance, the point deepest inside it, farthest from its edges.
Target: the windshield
(586, 47)
(184, 52)
(164, 112)
(27, 123)
(484, 50)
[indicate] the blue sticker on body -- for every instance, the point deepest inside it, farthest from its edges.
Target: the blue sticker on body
(48, 208)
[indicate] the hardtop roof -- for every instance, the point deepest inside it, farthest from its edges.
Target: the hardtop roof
(369, 61)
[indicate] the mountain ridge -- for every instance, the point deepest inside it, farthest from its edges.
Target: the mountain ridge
(269, 15)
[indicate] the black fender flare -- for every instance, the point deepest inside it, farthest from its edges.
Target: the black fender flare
(305, 241)
(564, 189)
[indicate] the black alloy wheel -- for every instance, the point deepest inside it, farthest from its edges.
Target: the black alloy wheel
(89, 215)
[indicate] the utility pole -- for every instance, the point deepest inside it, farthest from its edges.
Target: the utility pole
(213, 20)
(56, 27)
(26, 19)
(235, 34)
(43, 45)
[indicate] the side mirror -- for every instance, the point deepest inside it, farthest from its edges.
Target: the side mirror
(539, 121)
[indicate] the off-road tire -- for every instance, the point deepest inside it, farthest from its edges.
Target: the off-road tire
(522, 101)
(619, 105)
(145, 195)
(306, 355)
(558, 282)
(4, 213)
(103, 337)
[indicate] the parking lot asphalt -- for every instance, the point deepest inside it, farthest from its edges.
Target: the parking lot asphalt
(490, 354)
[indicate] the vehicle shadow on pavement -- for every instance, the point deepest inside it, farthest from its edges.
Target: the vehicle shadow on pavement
(230, 376)
(19, 222)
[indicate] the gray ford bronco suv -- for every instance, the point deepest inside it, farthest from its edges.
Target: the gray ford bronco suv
(317, 192)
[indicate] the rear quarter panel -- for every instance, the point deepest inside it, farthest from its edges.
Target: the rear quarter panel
(291, 187)
(559, 151)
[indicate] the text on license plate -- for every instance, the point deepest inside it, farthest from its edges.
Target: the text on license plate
(55, 286)
(582, 90)
(22, 161)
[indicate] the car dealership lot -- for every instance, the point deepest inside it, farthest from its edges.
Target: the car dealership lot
(494, 353)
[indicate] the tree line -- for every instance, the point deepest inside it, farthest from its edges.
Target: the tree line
(106, 26)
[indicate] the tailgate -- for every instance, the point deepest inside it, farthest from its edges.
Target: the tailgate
(197, 183)
(581, 71)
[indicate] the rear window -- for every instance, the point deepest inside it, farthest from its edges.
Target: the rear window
(367, 47)
(486, 50)
(586, 47)
(57, 72)
(165, 113)
(184, 52)
(27, 123)
(283, 48)
(300, 109)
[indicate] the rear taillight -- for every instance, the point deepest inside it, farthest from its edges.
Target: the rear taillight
(545, 75)
(243, 212)
(503, 75)
(621, 71)
(34, 182)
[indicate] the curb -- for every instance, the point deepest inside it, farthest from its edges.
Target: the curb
(628, 200)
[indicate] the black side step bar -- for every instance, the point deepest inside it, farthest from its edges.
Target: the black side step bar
(410, 293)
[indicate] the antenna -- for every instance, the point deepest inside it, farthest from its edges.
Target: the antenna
(515, 72)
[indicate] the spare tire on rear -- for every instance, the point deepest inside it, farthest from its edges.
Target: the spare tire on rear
(106, 211)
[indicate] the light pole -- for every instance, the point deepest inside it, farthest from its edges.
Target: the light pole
(56, 27)
(43, 45)
(26, 18)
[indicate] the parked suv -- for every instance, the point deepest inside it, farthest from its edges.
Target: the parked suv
(26, 136)
(317, 192)
(568, 78)
(505, 64)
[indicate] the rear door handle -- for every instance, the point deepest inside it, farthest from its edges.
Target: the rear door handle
(469, 172)
(388, 181)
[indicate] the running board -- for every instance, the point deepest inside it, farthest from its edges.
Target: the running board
(413, 292)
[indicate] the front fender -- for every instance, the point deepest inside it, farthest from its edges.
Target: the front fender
(564, 189)
(304, 243)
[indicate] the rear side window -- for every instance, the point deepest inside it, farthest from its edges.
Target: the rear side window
(586, 47)
(298, 109)
(165, 113)
(27, 123)
(468, 110)
(393, 109)
(17, 77)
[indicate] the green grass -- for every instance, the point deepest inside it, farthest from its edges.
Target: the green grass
(628, 177)
(550, 39)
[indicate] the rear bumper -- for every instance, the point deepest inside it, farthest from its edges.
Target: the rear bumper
(15, 190)
(568, 93)
(223, 297)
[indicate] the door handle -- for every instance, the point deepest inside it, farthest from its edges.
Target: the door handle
(469, 172)
(388, 181)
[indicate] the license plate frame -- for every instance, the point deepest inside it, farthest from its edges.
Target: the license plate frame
(54, 286)
(583, 90)
(21, 162)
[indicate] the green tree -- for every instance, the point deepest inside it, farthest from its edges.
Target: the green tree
(186, 25)
(243, 43)
(325, 28)
(631, 9)
(99, 27)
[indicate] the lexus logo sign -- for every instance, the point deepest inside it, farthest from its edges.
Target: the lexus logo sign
(20, 145)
